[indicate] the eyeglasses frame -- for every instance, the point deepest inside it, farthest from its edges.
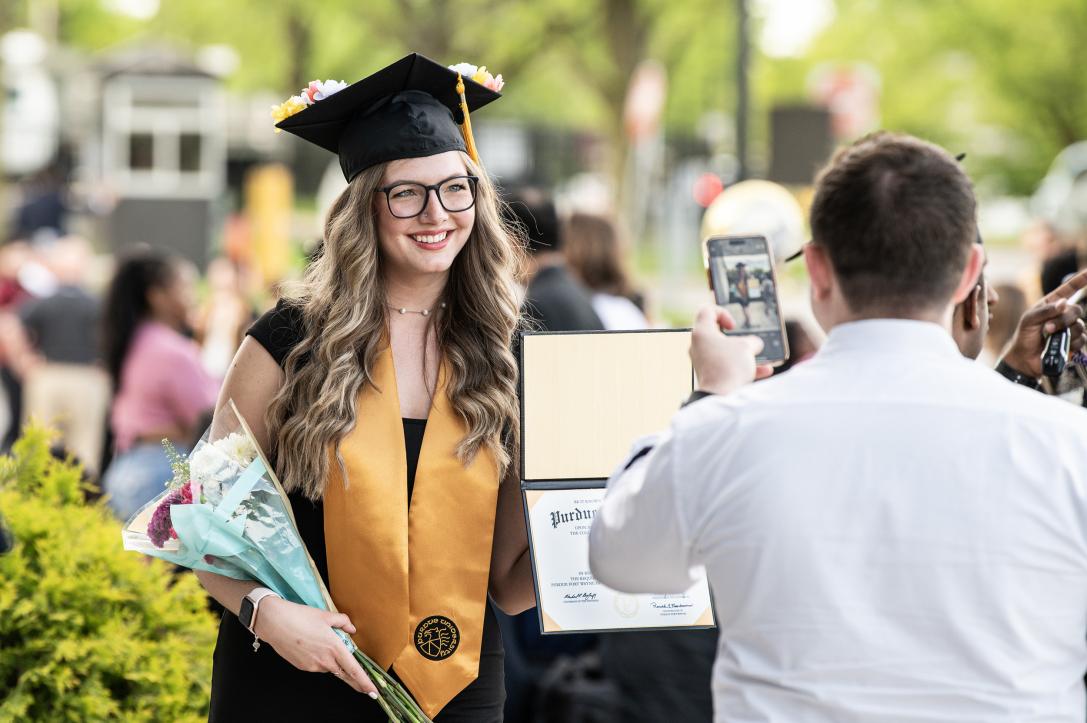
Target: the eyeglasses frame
(473, 182)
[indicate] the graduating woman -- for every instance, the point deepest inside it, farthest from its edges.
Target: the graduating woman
(385, 391)
(743, 292)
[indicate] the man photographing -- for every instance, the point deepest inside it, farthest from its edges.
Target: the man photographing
(891, 531)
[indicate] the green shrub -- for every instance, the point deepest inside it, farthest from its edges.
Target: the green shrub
(89, 631)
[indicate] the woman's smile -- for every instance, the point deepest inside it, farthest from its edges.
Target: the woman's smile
(432, 240)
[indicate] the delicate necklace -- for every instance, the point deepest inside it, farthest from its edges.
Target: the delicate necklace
(424, 312)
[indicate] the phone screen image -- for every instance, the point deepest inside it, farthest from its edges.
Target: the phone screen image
(744, 284)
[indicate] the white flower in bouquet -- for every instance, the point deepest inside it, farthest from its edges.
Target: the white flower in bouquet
(210, 465)
(238, 448)
(210, 468)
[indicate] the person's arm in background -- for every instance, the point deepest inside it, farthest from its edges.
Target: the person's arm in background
(17, 332)
(1051, 314)
(639, 541)
(188, 388)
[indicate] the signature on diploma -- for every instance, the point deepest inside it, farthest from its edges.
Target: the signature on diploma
(670, 605)
(579, 596)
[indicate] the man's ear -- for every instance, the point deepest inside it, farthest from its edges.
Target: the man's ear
(819, 271)
(970, 273)
(971, 305)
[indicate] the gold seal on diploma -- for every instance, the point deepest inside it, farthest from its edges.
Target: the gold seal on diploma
(437, 637)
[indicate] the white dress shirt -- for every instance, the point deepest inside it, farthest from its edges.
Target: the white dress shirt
(891, 533)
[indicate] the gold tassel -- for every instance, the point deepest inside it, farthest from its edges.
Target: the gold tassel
(466, 126)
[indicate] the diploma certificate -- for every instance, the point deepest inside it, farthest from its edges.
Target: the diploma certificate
(559, 517)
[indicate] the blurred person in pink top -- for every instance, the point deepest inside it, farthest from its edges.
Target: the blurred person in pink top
(161, 388)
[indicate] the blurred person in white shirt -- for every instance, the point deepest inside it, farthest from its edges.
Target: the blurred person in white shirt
(597, 256)
(891, 531)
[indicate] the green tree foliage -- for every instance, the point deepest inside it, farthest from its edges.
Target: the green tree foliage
(1030, 61)
(88, 631)
(83, 24)
(568, 61)
(999, 79)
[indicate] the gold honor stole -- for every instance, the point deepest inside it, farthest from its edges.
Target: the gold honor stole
(413, 579)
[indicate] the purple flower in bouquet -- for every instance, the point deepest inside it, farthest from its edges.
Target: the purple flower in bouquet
(161, 527)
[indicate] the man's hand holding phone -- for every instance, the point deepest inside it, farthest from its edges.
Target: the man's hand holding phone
(1055, 312)
(723, 363)
(742, 277)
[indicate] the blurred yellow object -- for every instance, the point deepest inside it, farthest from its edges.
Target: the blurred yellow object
(269, 201)
(757, 208)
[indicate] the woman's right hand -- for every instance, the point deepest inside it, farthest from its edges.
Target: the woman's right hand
(303, 636)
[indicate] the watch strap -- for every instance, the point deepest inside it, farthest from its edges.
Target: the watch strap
(254, 596)
(1014, 375)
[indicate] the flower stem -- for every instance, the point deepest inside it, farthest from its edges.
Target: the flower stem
(394, 700)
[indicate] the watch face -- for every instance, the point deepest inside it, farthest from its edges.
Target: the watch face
(245, 613)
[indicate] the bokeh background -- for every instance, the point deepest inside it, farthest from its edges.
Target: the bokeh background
(145, 124)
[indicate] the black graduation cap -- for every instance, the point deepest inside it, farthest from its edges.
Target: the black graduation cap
(409, 109)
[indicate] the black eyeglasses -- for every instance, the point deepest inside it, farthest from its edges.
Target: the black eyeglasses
(799, 252)
(407, 200)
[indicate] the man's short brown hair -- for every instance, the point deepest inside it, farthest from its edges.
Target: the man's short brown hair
(896, 216)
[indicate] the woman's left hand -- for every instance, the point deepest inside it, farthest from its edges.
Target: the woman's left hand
(303, 637)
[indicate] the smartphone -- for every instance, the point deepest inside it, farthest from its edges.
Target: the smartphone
(743, 280)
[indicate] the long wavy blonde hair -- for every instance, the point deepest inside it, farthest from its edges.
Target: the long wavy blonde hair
(342, 299)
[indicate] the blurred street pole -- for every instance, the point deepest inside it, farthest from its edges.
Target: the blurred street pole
(743, 52)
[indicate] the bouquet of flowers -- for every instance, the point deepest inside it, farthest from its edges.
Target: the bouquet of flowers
(225, 512)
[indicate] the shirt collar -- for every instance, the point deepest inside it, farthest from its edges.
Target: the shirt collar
(891, 336)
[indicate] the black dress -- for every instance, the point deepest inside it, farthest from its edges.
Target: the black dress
(248, 685)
